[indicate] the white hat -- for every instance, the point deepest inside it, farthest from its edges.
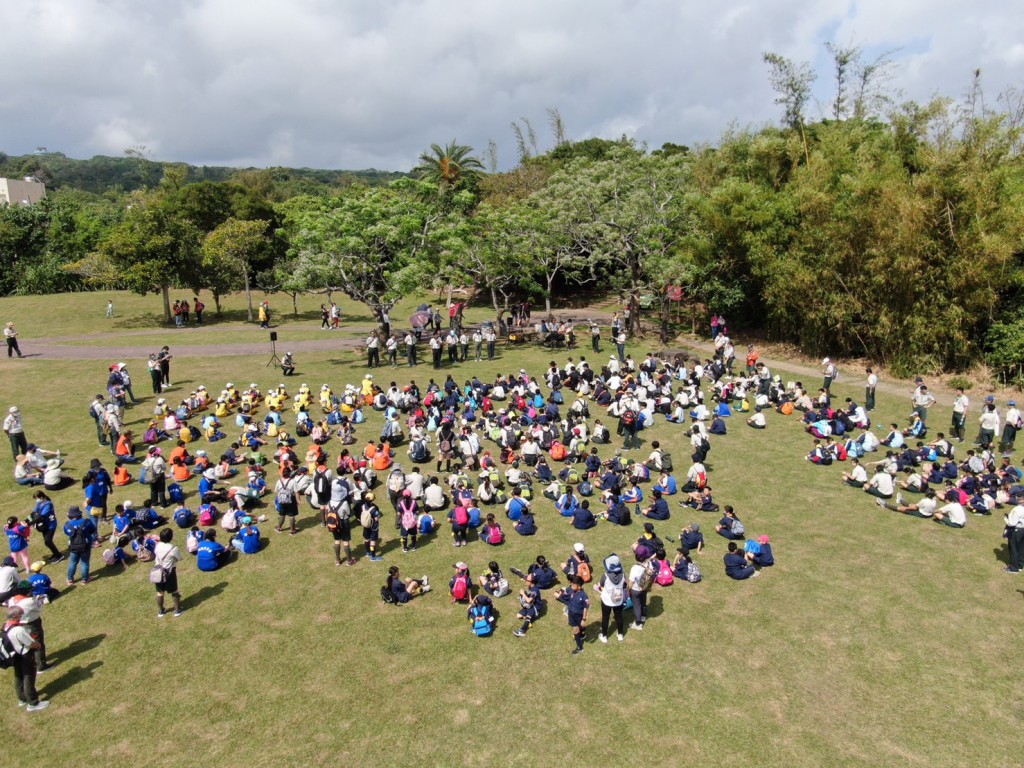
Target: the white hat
(229, 384)
(129, 504)
(826, 361)
(121, 366)
(13, 409)
(200, 453)
(304, 385)
(253, 385)
(161, 401)
(325, 386)
(578, 546)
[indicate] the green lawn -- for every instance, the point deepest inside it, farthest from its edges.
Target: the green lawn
(876, 640)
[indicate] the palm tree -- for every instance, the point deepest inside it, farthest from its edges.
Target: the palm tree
(449, 167)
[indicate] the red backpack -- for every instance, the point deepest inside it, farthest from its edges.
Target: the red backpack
(557, 451)
(460, 587)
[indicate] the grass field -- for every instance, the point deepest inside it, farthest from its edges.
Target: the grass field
(876, 640)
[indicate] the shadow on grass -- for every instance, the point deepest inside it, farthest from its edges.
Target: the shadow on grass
(655, 606)
(196, 598)
(81, 645)
(1002, 554)
(68, 678)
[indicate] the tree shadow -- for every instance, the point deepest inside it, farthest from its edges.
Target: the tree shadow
(196, 598)
(70, 677)
(81, 645)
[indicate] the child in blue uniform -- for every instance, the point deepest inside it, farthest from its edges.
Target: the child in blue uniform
(577, 606)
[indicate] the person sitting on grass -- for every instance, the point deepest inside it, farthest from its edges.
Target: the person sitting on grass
(857, 476)
(757, 421)
(684, 568)
(881, 484)
(211, 554)
(764, 556)
(529, 612)
(952, 514)
(730, 526)
(583, 518)
(404, 590)
(247, 541)
(736, 565)
(923, 508)
(691, 539)
(667, 483)
(658, 508)
(543, 574)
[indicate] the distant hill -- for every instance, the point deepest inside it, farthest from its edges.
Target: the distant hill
(100, 174)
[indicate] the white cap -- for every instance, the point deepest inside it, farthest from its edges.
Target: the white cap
(129, 504)
(14, 409)
(826, 361)
(578, 546)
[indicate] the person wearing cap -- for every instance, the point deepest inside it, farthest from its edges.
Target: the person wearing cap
(577, 606)
(613, 589)
(81, 533)
(764, 556)
(44, 520)
(32, 618)
(23, 661)
(571, 567)
(829, 374)
(922, 401)
(988, 424)
(14, 428)
(11, 335)
(691, 538)
(42, 586)
(288, 364)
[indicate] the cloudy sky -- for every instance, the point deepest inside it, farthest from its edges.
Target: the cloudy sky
(333, 84)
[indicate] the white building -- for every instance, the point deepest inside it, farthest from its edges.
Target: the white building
(24, 191)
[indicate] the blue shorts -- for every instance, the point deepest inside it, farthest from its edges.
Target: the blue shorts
(575, 619)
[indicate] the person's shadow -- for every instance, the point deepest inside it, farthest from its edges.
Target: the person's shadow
(81, 645)
(70, 677)
(1002, 554)
(211, 590)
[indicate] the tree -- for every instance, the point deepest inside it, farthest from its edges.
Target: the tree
(232, 247)
(153, 250)
(365, 242)
(449, 168)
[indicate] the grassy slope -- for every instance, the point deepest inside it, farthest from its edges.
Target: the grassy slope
(877, 639)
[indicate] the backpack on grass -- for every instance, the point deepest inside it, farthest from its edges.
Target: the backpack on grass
(387, 596)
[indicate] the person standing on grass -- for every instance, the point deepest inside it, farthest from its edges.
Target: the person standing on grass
(44, 519)
(81, 535)
(11, 334)
(164, 360)
(14, 428)
(869, 390)
(578, 605)
(1014, 535)
(287, 502)
(24, 661)
(264, 315)
(612, 588)
(167, 556)
(198, 307)
(410, 348)
(110, 308)
(155, 374)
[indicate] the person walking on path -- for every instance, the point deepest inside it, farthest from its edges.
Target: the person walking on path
(11, 334)
(14, 428)
(264, 315)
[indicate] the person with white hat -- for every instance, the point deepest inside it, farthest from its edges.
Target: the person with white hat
(14, 428)
(829, 372)
(11, 334)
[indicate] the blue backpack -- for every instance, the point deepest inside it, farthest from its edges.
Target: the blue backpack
(483, 622)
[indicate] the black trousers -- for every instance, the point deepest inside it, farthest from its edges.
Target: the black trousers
(25, 678)
(606, 612)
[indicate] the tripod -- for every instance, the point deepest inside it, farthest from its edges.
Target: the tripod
(275, 361)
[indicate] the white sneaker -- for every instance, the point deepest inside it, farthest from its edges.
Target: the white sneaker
(900, 500)
(426, 587)
(755, 573)
(43, 704)
(634, 625)
(602, 638)
(621, 637)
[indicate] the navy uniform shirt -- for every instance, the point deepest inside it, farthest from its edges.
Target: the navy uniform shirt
(576, 600)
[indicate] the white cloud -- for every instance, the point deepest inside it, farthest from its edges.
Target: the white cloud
(326, 84)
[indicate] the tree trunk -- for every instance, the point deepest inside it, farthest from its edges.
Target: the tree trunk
(494, 300)
(166, 290)
(295, 303)
(547, 295)
(216, 301)
(663, 335)
(450, 289)
(248, 291)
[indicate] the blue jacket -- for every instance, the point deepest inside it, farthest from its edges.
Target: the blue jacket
(583, 519)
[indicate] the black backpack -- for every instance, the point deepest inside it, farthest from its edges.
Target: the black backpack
(387, 596)
(666, 461)
(78, 541)
(705, 446)
(7, 652)
(321, 485)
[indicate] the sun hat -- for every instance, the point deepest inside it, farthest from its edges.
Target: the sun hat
(74, 512)
(37, 566)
